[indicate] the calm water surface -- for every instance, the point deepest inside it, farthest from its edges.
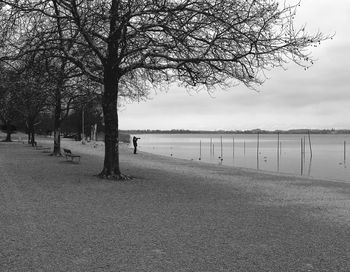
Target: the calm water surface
(242, 150)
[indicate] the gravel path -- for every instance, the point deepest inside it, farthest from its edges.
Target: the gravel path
(175, 215)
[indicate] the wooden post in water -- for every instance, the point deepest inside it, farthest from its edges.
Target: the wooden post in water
(257, 152)
(221, 156)
(310, 144)
(200, 150)
(213, 150)
(301, 156)
(344, 152)
(233, 147)
(278, 151)
(211, 147)
(304, 141)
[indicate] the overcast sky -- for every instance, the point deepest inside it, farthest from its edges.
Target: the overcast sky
(316, 98)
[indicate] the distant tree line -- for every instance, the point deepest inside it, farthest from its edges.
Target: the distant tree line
(252, 131)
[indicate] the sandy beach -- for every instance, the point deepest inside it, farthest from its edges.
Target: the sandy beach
(174, 215)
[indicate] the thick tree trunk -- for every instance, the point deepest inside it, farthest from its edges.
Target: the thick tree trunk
(31, 132)
(57, 141)
(112, 74)
(111, 169)
(57, 124)
(33, 137)
(8, 133)
(8, 137)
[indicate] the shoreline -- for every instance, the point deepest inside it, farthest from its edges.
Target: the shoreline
(49, 141)
(88, 148)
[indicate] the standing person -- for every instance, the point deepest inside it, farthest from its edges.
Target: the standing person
(134, 142)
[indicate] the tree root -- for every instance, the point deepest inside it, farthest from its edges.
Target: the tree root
(114, 176)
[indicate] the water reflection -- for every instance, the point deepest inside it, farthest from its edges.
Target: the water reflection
(310, 164)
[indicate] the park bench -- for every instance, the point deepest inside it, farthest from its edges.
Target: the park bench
(40, 147)
(68, 154)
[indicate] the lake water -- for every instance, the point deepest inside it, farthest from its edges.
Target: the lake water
(328, 160)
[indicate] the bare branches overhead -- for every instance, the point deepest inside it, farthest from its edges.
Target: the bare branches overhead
(194, 41)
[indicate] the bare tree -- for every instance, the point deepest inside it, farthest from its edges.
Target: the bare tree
(8, 110)
(197, 42)
(31, 92)
(69, 85)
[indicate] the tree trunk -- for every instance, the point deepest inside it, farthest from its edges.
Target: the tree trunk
(33, 138)
(57, 139)
(8, 132)
(29, 138)
(57, 124)
(111, 169)
(28, 132)
(31, 132)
